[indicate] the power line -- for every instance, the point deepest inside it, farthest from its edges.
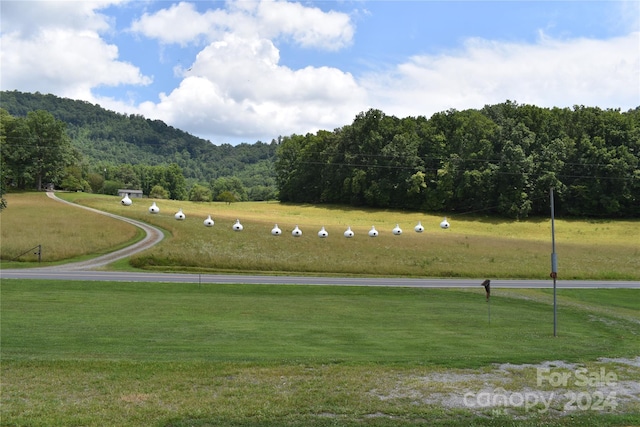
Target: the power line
(493, 172)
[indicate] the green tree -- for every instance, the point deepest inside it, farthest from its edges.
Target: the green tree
(50, 148)
(127, 175)
(16, 152)
(288, 167)
(301, 167)
(35, 150)
(111, 187)
(73, 180)
(227, 196)
(3, 201)
(158, 192)
(96, 181)
(199, 193)
(4, 118)
(232, 185)
(514, 174)
(262, 193)
(176, 184)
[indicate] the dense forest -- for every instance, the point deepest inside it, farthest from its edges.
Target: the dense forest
(104, 141)
(502, 159)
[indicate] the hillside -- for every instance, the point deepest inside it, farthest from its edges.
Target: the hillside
(105, 138)
(502, 159)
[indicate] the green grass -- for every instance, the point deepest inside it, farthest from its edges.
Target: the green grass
(246, 355)
(473, 247)
(168, 322)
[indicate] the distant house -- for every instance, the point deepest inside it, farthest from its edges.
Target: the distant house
(131, 193)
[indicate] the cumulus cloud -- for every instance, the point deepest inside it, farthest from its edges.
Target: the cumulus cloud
(309, 27)
(25, 18)
(56, 47)
(306, 26)
(236, 87)
(550, 73)
(180, 23)
(253, 95)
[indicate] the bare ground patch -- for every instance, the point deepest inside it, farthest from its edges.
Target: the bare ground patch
(609, 385)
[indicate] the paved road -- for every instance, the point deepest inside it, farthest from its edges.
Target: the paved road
(119, 276)
(85, 271)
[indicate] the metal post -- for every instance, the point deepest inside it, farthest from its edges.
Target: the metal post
(554, 267)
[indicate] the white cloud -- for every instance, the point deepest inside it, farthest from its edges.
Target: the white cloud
(45, 61)
(236, 87)
(627, 17)
(552, 72)
(309, 27)
(181, 23)
(27, 17)
(56, 47)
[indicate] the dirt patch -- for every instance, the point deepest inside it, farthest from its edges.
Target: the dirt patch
(610, 385)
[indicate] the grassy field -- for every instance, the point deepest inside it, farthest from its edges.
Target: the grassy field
(152, 354)
(65, 232)
(473, 247)
(96, 354)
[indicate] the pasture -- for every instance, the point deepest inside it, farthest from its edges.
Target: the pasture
(64, 232)
(476, 247)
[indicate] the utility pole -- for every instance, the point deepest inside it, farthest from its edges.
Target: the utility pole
(554, 266)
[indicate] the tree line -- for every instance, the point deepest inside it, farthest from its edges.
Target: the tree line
(502, 159)
(36, 152)
(103, 139)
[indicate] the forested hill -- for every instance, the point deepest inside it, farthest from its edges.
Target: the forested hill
(108, 138)
(501, 159)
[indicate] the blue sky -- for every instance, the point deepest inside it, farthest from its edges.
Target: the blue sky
(243, 71)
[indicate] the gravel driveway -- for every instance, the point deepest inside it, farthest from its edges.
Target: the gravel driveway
(152, 237)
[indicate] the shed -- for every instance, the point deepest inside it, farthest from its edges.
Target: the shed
(131, 193)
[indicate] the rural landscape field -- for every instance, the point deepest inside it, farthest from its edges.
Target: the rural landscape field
(474, 246)
(163, 354)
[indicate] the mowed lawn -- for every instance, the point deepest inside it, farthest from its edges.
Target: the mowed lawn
(247, 323)
(187, 354)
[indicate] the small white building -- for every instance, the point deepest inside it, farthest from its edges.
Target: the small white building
(130, 193)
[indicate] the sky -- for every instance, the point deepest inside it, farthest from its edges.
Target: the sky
(246, 71)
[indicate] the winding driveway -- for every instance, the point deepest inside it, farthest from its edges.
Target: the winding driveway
(153, 236)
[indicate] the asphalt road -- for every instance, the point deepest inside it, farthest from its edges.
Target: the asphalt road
(119, 276)
(86, 271)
